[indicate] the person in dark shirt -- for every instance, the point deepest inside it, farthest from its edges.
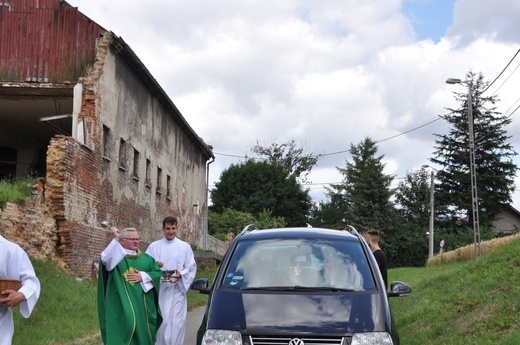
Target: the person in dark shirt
(378, 254)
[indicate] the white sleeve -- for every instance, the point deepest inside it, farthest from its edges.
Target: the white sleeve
(147, 283)
(189, 270)
(112, 255)
(30, 286)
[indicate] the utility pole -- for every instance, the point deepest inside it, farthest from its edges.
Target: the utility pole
(432, 213)
(474, 197)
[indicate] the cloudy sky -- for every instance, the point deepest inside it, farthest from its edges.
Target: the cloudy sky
(326, 73)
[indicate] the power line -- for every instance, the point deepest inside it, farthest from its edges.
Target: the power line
(230, 155)
(514, 56)
(343, 151)
(410, 130)
(496, 91)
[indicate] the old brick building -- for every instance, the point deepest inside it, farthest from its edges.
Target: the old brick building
(79, 108)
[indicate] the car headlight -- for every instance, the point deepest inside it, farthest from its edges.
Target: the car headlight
(372, 338)
(221, 337)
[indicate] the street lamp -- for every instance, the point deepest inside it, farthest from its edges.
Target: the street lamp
(474, 199)
(432, 213)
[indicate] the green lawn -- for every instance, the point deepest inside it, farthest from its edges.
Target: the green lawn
(475, 302)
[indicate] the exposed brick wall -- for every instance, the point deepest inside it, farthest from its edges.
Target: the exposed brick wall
(71, 191)
(78, 246)
(31, 226)
(79, 198)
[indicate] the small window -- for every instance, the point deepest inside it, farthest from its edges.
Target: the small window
(122, 154)
(148, 180)
(136, 164)
(168, 186)
(106, 142)
(159, 178)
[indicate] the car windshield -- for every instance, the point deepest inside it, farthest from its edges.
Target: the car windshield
(299, 263)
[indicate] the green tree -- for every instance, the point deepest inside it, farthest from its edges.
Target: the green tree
(495, 170)
(412, 197)
(254, 187)
(365, 189)
(330, 214)
(229, 220)
(409, 241)
(290, 156)
(407, 245)
(234, 221)
(265, 220)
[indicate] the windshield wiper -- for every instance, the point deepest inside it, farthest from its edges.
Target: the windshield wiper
(321, 288)
(298, 288)
(268, 288)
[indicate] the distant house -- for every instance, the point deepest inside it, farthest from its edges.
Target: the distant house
(507, 221)
(79, 109)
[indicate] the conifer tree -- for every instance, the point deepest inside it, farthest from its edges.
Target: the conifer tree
(412, 196)
(365, 188)
(495, 169)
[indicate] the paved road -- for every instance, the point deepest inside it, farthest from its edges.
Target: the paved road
(192, 325)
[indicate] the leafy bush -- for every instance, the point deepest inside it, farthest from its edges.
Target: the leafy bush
(234, 221)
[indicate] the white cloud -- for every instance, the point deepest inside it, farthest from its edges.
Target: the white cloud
(484, 19)
(327, 74)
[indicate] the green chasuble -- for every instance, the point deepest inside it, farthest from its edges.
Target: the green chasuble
(127, 315)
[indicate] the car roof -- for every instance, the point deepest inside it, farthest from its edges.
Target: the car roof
(302, 232)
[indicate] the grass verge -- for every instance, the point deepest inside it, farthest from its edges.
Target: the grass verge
(467, 253)
(473, 302)
(16, 191)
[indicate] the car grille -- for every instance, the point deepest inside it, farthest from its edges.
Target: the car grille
(307, 340)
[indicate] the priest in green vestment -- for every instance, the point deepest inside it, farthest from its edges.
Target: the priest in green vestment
(128, 287)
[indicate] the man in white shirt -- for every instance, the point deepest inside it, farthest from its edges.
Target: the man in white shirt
(172, 253)
(15, 264)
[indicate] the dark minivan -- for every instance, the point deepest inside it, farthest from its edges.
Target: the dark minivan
(298, 286)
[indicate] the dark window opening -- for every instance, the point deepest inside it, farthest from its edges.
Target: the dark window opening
(106, 141)
(7, 162)
(168, 186)
(136, 163)
(148, 180)
(159, 177)
(122, 154)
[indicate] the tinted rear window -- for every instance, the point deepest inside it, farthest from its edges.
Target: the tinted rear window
(299, 262)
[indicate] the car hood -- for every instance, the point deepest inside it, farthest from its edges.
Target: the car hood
(261, 312)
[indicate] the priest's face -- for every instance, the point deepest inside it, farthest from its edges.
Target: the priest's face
(130, 241)
(170, 231)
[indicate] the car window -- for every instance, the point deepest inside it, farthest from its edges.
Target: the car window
(300, 263)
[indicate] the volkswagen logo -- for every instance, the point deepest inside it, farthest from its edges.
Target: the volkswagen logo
(296, 341)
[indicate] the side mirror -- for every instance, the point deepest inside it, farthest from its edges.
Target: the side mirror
(398, 289)
(200, 285)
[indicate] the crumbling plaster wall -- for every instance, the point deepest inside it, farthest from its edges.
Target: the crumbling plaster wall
(100, 179)
(133, 114)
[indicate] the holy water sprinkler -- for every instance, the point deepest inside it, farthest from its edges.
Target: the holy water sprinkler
(105, 224)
